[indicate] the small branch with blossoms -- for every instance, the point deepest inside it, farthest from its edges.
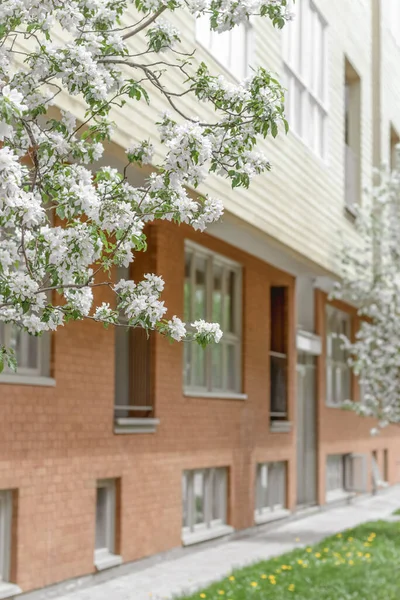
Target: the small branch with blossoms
(66, 223)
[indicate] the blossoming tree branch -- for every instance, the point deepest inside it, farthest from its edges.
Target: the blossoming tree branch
(65, 223)
(371, 282)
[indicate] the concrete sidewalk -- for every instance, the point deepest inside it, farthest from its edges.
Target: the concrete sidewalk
(204, 564)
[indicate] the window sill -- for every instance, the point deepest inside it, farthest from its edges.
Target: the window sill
(27, 380)
(216, 395)
(129, 425)
(280, 426)
(103, 559)
(272, 515)
(8, 590)
(337, 495)
(350, 212)
(196, 537)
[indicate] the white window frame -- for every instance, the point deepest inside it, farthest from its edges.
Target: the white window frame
(352, 470)
(206, 38)
(105, 558)
(274, 506)
(312, 128)
(229, 338)
(339, 369)
(392, 12)
(211, 527)
(39, 375)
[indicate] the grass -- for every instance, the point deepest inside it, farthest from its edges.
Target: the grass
(359, 564)
(396, 512)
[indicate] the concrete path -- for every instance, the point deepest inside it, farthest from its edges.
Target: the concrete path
(202, 565)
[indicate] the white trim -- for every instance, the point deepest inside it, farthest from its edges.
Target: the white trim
(271, 515)
(27, 380)
(9, 590)
(132, 425)
(308, 342)
(283, 426)
(189, 245)
(103, 559)
(192, 393)
(196, 537)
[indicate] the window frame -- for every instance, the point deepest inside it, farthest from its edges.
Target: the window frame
(248, 31)
(303, 77)
(5, 529)
(106, 557)
(229, 338)
(267, 508)
(330, 362)
(42, 353)
(212, 476)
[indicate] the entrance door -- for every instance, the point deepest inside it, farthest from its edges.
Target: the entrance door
(306, 429)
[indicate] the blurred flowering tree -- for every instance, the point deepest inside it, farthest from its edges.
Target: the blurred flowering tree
(65, 223)
(371, 282)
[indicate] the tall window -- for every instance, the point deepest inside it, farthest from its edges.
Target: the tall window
(338, 372)
(104, 554)
(5, 535)
(134, 406)
(352, 136)
(230, 48)
(213, 292)
(305, 58)
(278, 353)
(345, 473)
(204, 502)
(270, 489)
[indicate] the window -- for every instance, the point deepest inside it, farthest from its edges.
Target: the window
(230, 48)
(278, 353)
(345, 473)
(213, 292)
(338, 372)
(204, 500)
(352, 136)
(5, 535)
(270, 491)
(104, 554)
(32, 353)
(305, 58)
(392, 10)
(134, 399)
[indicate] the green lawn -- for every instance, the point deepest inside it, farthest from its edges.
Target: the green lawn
(358, 564)
(396, 512)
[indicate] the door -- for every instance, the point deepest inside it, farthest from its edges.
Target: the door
(306, 430)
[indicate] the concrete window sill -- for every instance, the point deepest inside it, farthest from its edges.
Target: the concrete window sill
(272, 515)
(9, 590)
(281, 426)
(128, 425)
(103, 559)
(16, 379)
(196, 537)
(216, 395)
(337, 495)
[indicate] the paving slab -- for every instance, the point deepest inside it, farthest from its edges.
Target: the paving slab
(197, 568)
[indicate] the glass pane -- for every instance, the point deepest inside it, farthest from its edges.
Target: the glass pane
(217, 294)
(238, 57)
(220, 46)
(200, 283)
(203, 32)
(198, 364)
(33, 351)
(218, 495)
(231, 367)
(198, 489)
(101, 518)
(230, 306)
(297, 104)
(185, 520)
(264, 486)
(278, 385)
(187, 362)
(216, 353)
(187, 290)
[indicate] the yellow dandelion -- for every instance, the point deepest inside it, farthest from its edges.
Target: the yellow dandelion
(291, 587)
(221, 592)
(263, 576)
(368, 555)
(203, 596)
(359, 554)
(339, 535)
(254, 584)
(299, 562)
(272, 576)
(366, 544)
(317, 555)
(308, 549)
(351, 562)
(273, 582)
(231, 578)
(350, 539)
(277, 571)
(348, 554)
(305, 566)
